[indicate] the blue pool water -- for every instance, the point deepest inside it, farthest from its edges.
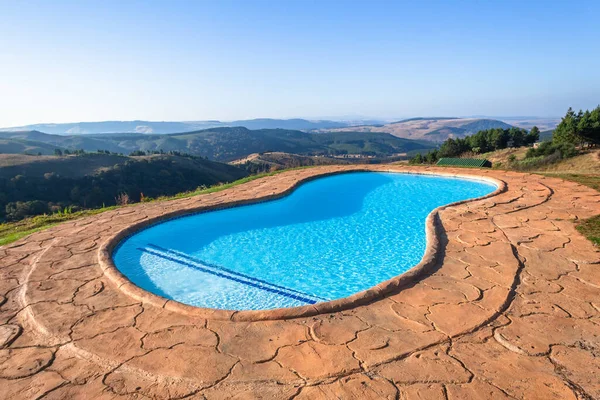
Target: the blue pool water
(331, 238)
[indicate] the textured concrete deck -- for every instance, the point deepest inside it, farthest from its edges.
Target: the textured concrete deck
(510, 310)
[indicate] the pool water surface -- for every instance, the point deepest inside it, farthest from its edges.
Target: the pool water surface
(332, 237)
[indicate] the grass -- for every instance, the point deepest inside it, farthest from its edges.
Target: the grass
(592, 181)
(590, 228)
(13, 231)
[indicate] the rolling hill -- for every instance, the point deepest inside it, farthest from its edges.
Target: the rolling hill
(20, 146)
(162, 127)
(430, 129)
(270, 161)
(227, 144)
(91, 164)
(12, 165)
(33, 185)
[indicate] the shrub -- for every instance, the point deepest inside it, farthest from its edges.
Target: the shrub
(122, 199)
(20, 209)
(564, 149)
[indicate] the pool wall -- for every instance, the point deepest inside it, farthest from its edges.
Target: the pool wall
(433, 230)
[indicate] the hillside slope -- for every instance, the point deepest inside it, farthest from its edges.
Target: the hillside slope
(12, 165)
(20, 146)
(33, 185)
(89, 164)
(271, 161)
(431, 129)
(226, 144)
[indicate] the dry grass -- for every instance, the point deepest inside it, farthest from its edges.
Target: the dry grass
(500, 157)
(588, 164)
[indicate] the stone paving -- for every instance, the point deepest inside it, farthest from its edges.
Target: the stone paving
(511, 309)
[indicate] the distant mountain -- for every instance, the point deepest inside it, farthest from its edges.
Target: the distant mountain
(430, 129)
(150, 127)
(422, 119)
(226, 144)
(543, 124)
(295, 124)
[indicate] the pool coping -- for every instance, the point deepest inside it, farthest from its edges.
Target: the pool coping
(426, 265)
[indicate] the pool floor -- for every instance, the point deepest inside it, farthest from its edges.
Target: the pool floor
(331, 238)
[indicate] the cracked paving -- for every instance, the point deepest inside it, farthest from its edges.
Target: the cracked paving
(510, 310)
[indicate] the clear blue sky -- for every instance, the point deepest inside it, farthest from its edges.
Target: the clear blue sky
(99, 60)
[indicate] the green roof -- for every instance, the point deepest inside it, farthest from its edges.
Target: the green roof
(464, 162)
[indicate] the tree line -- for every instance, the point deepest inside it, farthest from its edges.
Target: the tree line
(574, 132)
(581, 129)
(480, 142)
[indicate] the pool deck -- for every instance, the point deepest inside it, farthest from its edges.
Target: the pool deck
(506, 304)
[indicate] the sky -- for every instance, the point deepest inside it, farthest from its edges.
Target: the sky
(71, 61)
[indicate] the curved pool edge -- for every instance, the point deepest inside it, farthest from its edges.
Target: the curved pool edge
(426, 265)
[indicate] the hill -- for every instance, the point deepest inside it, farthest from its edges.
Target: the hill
(369, 143)
(20, 146)
(227, 144)
(431, 129)
(586, 163)
(272, 161)
(87, 143)
(33, 185)
(163, 127)
(72, 166)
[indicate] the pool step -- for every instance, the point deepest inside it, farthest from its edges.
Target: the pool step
(225, 273)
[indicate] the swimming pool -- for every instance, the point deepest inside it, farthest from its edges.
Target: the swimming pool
(332, 237)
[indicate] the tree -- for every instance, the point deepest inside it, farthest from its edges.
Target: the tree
(418, 159)
(431, 157)
(58, 152)
(500, 138)
(566, 131)
(533, 136)
(578, 129)
(517, 136)
(588, 127)
(453, 148)
(21, 209)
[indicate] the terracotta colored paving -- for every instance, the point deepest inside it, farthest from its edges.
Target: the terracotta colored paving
(511, 310)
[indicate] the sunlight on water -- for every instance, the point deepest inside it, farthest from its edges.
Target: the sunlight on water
(331, 238)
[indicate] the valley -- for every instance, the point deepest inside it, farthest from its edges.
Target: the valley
(220, 144)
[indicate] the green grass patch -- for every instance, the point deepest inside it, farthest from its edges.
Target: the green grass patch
(13, 231)
(589, 180)
(590, 228)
